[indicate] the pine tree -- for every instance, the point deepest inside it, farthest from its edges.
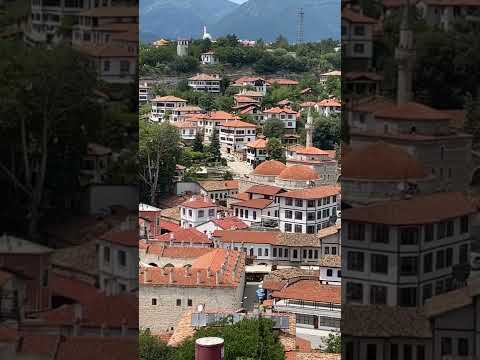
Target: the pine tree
(215, 147)
(197, 142)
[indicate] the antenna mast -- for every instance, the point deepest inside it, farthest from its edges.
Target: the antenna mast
(300, 26)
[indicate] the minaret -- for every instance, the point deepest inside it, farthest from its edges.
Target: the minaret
(405, 56)
(309, 129)
(204, 31)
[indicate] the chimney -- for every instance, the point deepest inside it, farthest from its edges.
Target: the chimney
(124, 327)
(170, 277)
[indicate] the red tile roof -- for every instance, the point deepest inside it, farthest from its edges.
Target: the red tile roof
(310, 290)
(299, 172)
(245, 236)
(245, 99)
(278, 110)
(254, 203)
(184, 236)
(283, 82)
(264, 190)
(198, 202)
(124, 238)
(230, 223)
(177, 252)
(307, 150)
(204, 77)
(375, 162)
(355, 17)
(240, 196)
(330, 102)
(169, 226)
(238, 124)
(411, 111)
(312, 193)
(270, 168)
(206, 266)
(418, 210)
(257, 144)
(222, 115)
(169, 99)
(213, 185)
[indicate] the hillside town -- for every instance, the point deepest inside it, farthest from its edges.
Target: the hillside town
(409, 186)
(249, 226)
(69, 243)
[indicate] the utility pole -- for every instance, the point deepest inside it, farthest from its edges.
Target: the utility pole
(300, 26)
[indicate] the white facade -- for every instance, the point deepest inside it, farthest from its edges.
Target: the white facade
(256, 155)
(288, 116)
(192, 217)
(163, 105)
(209, 58)
(205, 83)
(255, 215)
(306, 216)
(144, 94)
(234, 138)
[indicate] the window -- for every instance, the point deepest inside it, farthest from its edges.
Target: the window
(427, 292)
(315, 254)
(462, 347)
(339, 273)
(329, 321)
(449, 228)
(327, 250)
(124, 66)
(285, 252)
(45, 278)
(275, 252)
(428, 232)
(440, 264)
(428, 263)
(259, 252)
(329, 272)
(438, 287)
(106, 65)
(298, 202)
(409, 236)
(355, 261)
(449, 257)
(407, 352)
(179, 302)
(190, 213)
(356, 231)
(349, 352)
(310, 253)
(154, 301)
(246, 214)
(334, 250)
(378, 295)
(311, 229)
(241, 213)
(359, 30)
(201, 213)
(122, 258)
(408, 265)
(371, 351)
(446, 346)
(311, 203)
(359, 48)
(254, 215)
(298, 228)
(393, 352)
(463, 224)
(266, 252)
(106, 254)
(288, 214)
(288, 227)
(310, 216)
(463, 254)
(211, 212)
(295, 253)
(379, 263)
(407, 296)
(380, 233)
(288, 201)
(354, 292)
(298, 215)
(304, 253)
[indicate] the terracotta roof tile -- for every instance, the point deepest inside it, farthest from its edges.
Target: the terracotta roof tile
(238, 124)
(126, 238)
(245, 236)
(264, 190)
(418, 210)
(198, 202)
(214, 185)
(270, 168)
(330, 261)
(169, 226)
(257, 144)
(282, 82)
(309, 150)
(169, 99)
(254, 203)
(245, 99)
(375, 162)
(330, 103)
(299, 172)
(204, 77)
(310, 290)
(278, 110)
(355, 17)
(184, 236)
(411, 111)
(240, 196)
(230, 223)
(312, 193)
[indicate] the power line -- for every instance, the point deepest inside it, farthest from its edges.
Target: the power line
(300, 26)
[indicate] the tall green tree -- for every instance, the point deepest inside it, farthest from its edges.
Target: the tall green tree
(159, 151)
(275, 150)
(198, 142)
(152, 348)
(327, 131)
(214, 148)
(41, 125)
(274, 128)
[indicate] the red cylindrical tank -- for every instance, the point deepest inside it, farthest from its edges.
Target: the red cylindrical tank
(209, 348)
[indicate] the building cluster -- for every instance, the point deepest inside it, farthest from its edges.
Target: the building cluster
(408, 224)
(105, 32)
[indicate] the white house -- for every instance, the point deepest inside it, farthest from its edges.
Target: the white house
(287, 115)
(258, 83)
(209, 58)
(196, 211)
(161, 105)
(330, 269)
(206, 83)
(144, 94)
(226, 223)
(329, 107)
(255, 210)
(218, 190)
(357, 37)
(256, 151)
(235, 135)
(187, 130)
(185, 112)
(308, 210)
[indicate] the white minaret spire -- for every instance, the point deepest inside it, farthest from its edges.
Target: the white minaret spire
(405, 56)
(309, 129)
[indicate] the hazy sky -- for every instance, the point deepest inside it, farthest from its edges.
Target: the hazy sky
(239, 1)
